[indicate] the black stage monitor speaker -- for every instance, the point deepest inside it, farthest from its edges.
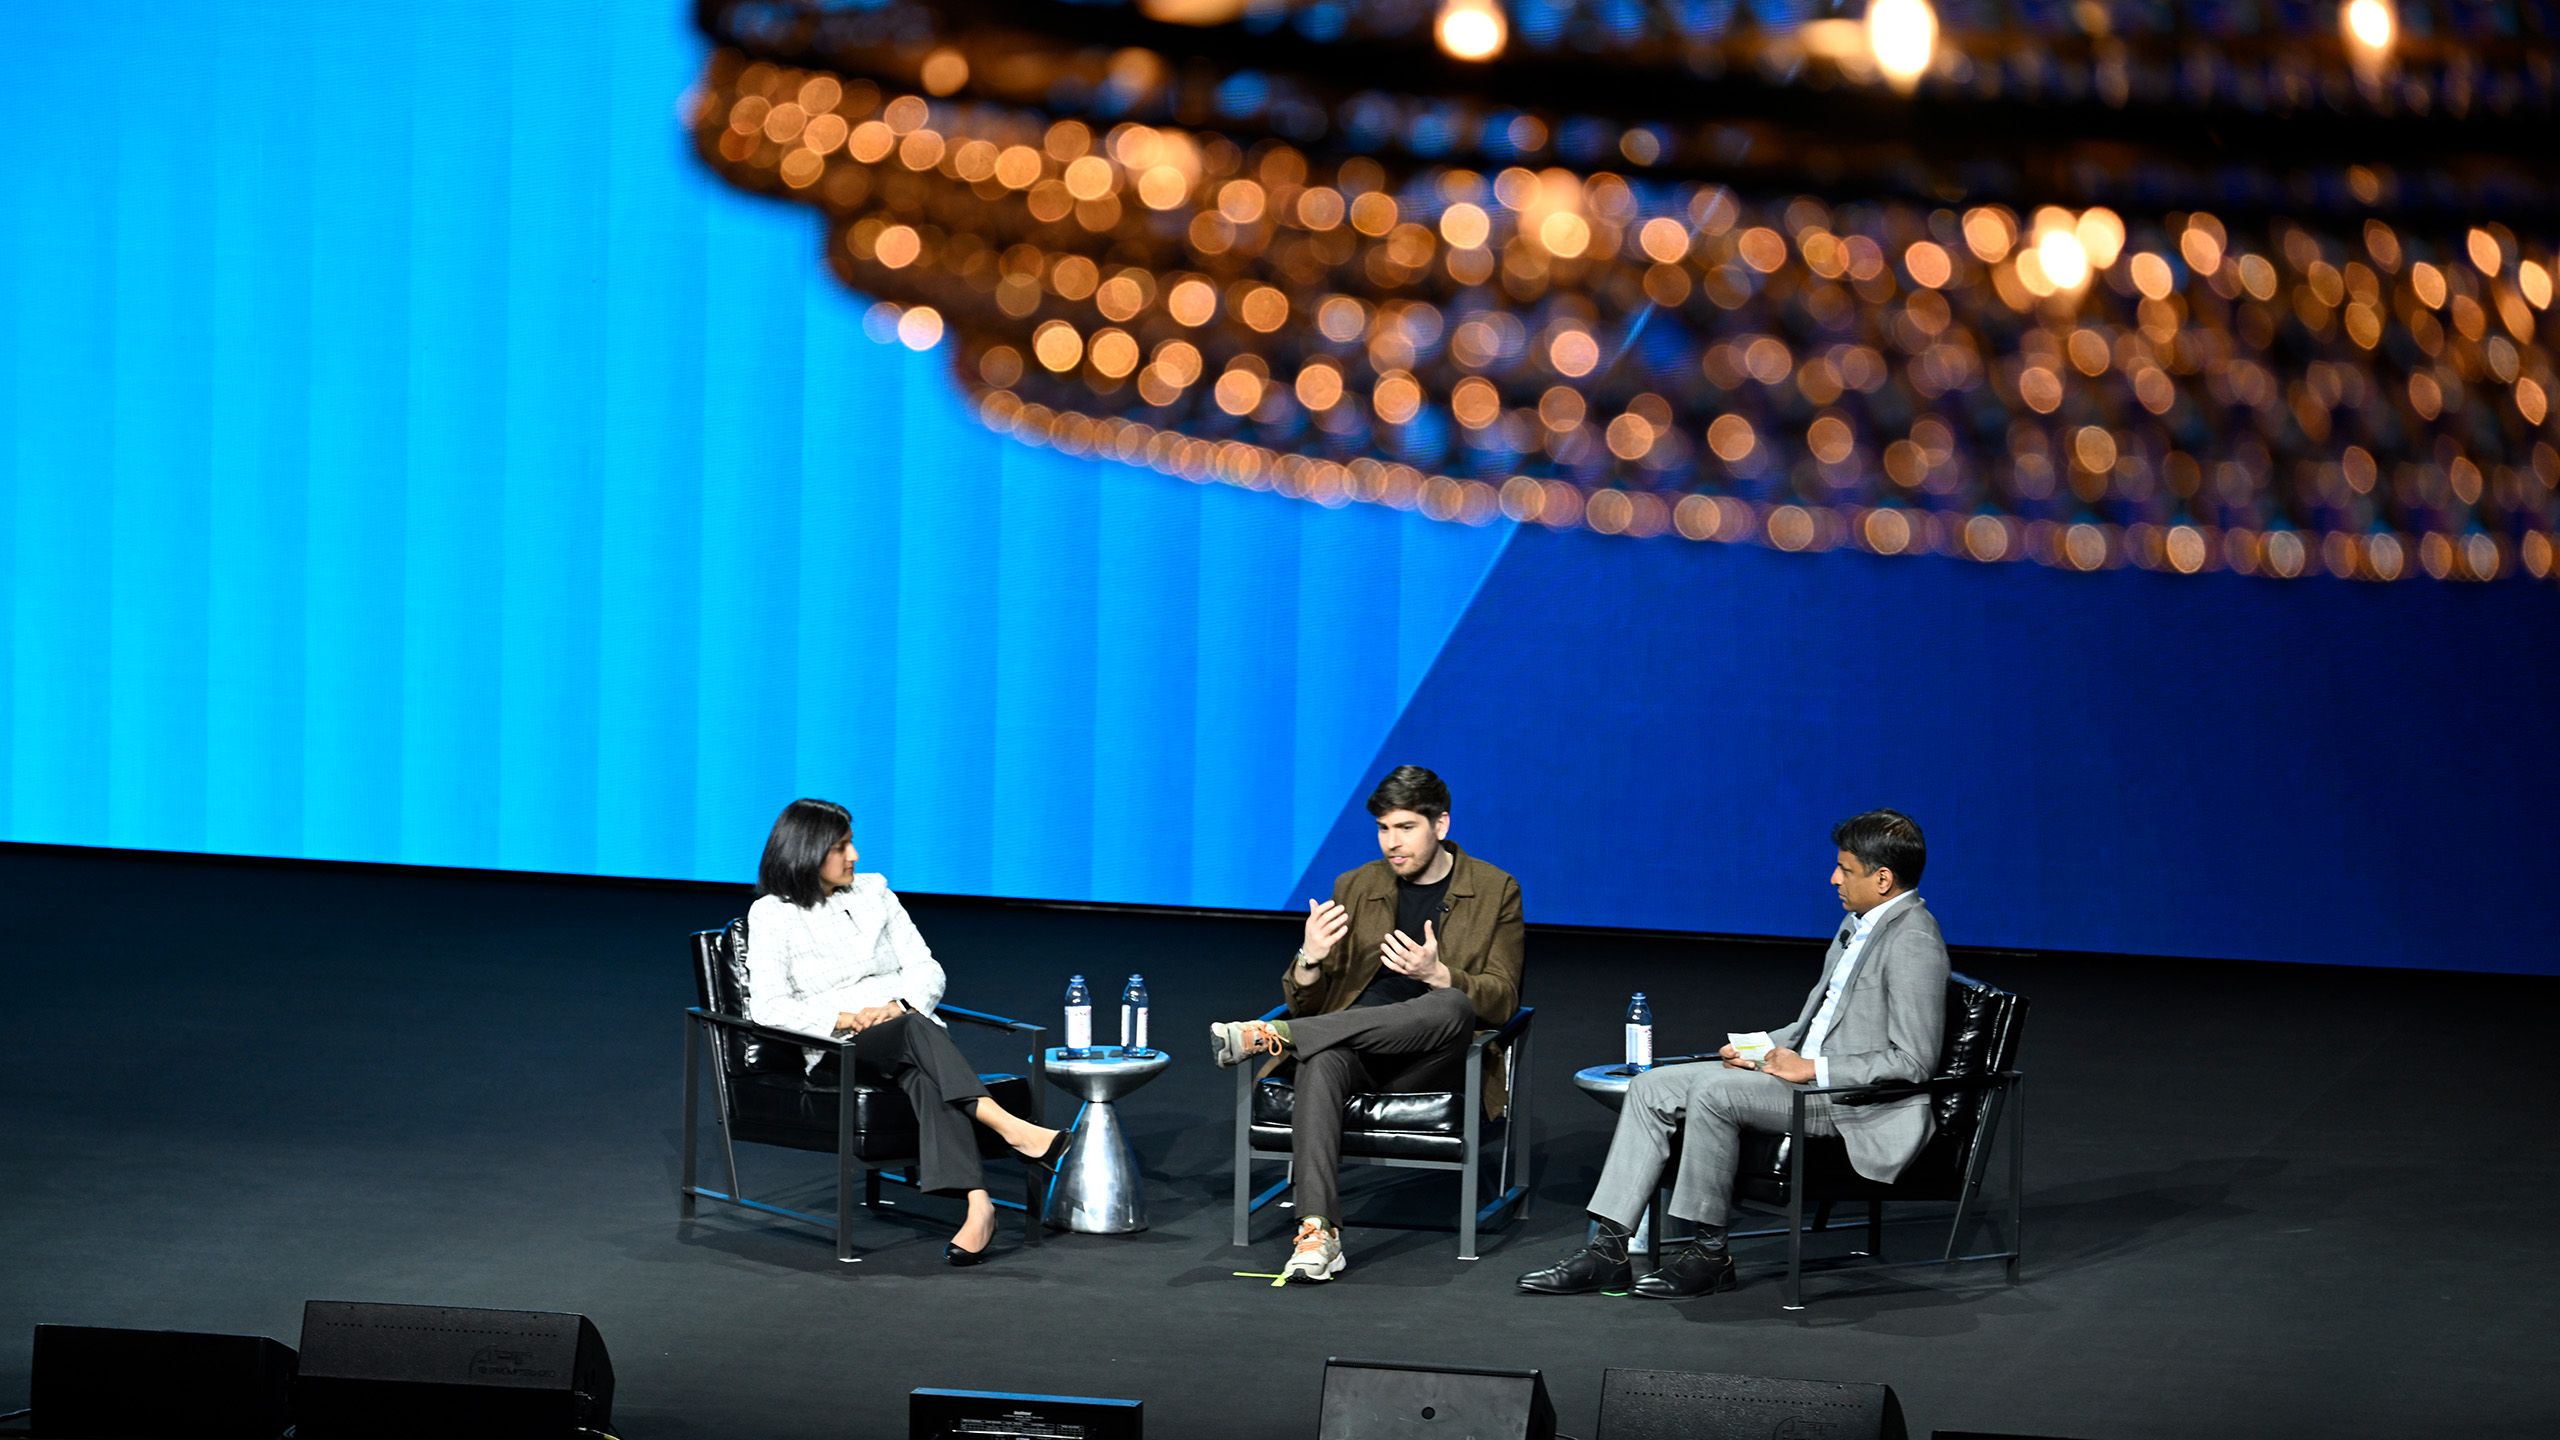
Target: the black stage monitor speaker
(101, 1384)
(390, 1372)
(1373, 1400)
(1676, 1405)
(995, 1415)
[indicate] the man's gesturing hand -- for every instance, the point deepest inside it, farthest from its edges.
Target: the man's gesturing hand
(1327, 923)
(1422, 961)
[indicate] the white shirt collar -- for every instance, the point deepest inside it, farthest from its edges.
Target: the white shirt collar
(1868, 921)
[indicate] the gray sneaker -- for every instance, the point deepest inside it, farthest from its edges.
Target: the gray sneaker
(1318, 1255)
(1241, 1040)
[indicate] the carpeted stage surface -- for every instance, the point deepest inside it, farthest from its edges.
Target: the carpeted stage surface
(2261, 1200)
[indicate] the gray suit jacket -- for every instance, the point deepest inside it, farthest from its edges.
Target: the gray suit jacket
(1892, 1020)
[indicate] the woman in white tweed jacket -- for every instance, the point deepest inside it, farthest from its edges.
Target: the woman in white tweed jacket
(833, 952)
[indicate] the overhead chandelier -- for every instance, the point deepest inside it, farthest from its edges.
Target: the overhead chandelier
(1949, 280)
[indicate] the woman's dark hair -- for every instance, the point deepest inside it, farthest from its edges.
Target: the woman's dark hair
(1410, 787)
(802, 835)
(1884, 840)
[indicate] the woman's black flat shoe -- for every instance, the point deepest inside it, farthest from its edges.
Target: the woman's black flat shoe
(960, 1258)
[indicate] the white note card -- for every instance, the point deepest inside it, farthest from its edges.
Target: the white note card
(1750, 1047)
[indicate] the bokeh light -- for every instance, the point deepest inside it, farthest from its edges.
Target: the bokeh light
(2078, 385)
(1903, 37)
(1471, 29)
(2369, 27)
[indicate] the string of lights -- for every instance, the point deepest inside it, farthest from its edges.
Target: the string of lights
(1644, 354)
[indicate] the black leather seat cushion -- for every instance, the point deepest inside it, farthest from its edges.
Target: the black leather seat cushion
(1936, 1173)
(799, 1111)
(1390, 1125)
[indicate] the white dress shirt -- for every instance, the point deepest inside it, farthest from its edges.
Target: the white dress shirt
(1820, 1029)
(852, 951)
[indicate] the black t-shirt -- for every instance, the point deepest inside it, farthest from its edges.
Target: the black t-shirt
(1415, 906)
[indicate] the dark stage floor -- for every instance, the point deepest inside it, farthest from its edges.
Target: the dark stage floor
(2262, 1200)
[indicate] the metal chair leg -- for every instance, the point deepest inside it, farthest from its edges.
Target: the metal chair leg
(1470, 1149)
(727, 1104)
(1517, 1105)
(692, 1112)
(2017, 1178)
(845, 1163)
(1875, 1228)
(1035, 1207)
(1792, 1296)
(1993, 1107)
(1244, 1157)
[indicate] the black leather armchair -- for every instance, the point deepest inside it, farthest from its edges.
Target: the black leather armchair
(1975, 1090)
(765, 1094)
(1419, 1130)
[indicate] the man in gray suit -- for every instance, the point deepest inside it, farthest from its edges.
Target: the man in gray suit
(1876, 1014)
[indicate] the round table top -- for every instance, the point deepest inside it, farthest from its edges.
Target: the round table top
(1103, 1072)
(1604, 1083)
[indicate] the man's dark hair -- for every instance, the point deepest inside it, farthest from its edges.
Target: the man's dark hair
(1885, 840)
(802, 835)
(1410, 787)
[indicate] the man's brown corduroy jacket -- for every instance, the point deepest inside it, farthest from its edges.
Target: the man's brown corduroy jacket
(1480, 938)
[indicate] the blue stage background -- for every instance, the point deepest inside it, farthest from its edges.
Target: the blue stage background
(407, 454)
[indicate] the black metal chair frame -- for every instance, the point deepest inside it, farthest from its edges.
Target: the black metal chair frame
(699, 1024)
(2005, 1100)
(1512, 1191)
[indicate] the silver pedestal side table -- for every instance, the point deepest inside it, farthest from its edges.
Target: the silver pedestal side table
(1608, 1085)
(1097, 1191)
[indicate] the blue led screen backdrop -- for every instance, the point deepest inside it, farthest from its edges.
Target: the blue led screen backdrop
(407, 453)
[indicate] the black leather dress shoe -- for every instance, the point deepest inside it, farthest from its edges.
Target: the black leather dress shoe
(1692, 1273)
(1580, 1273)
(962, 1259)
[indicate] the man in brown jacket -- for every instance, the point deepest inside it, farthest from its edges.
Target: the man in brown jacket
(1415, 950)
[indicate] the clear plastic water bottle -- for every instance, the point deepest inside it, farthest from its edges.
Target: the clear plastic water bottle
(1639, 1032)
(1133, 1016)
(1079, 1016)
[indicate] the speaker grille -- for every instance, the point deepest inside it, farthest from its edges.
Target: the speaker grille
(1681, 1405)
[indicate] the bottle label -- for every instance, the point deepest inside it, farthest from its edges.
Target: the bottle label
(1079, 1027)
(1639, 1044)
(1142, 1029)
(1128, 1036)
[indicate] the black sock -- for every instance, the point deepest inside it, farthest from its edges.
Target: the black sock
(1710, 1238)
(1611, 1239)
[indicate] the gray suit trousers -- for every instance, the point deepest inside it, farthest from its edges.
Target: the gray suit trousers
(1710, 1106)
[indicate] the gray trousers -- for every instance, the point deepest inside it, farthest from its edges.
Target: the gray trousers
(1416, 1044)
(1710, 1106)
